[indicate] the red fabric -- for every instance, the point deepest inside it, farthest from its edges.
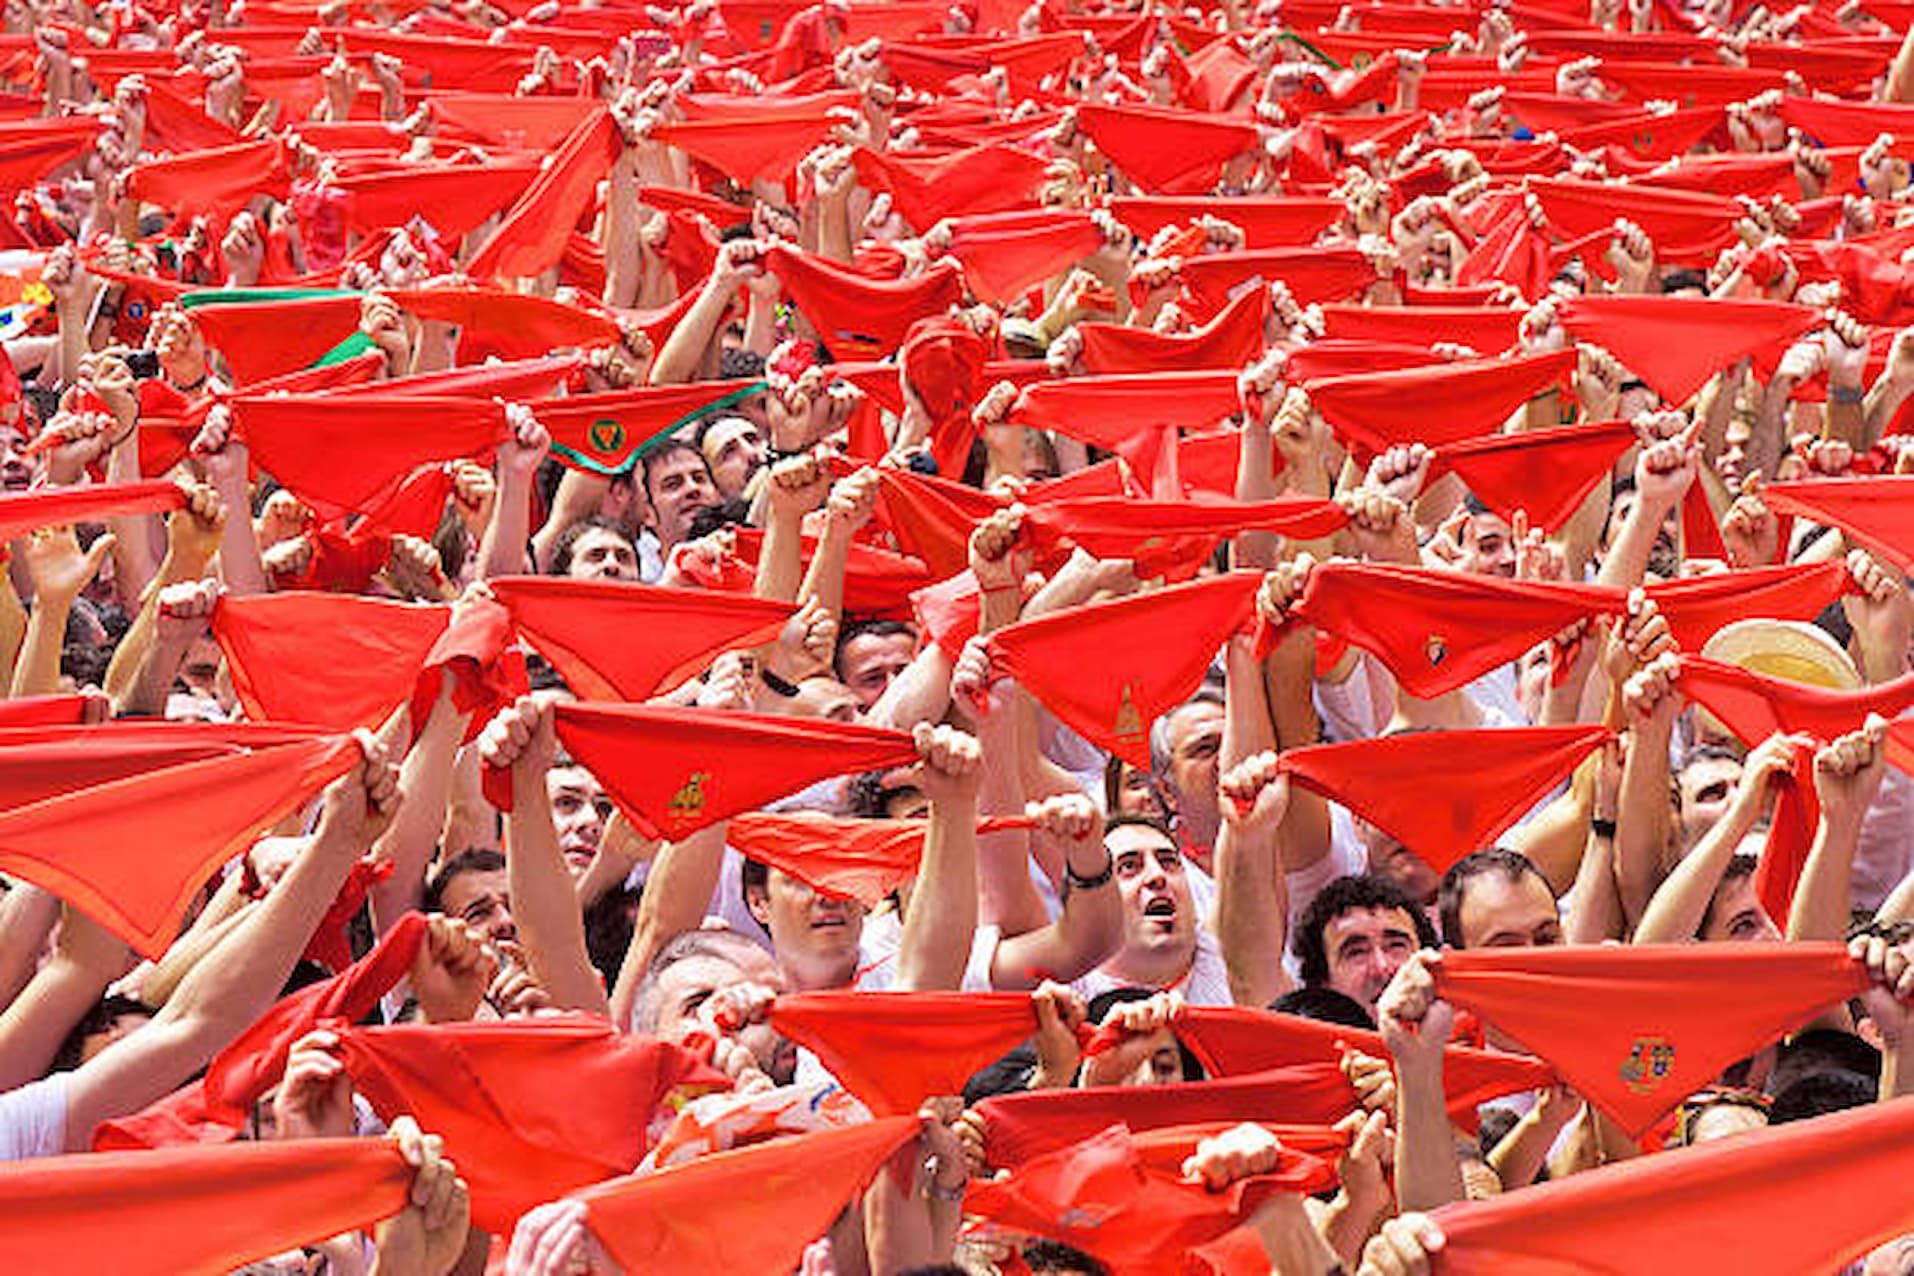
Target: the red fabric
(1676, 343)
(943, 363)
(1004, 255)
(1755, 707)
(1164, 150)
(1437, 405)
(475, 649)
(22, 512)
(195, 1211)
(926, 189)
(505, 1098)
(538, 123)
(1878, 512)
(54, 759)
(1546, 473)
(1797, 810)
(1444, 794)
(453, 198)
(132, 853)
(749, 148)
(876, 582)
(864, 860)
(519, 380)
(856, 316)
(778, 1197)
(1100, 1198)
(1019, 1127)
(1174, 537)
(606, 433)
(932, 517)
(335, 661)
(1104, 411)
(1233, 1040)
(653, 760)
(508, 325)
(1153, 650)
(616, 641)
(1440, 630)
(216, 182)
(1334, 272)
(1637, 1030)
(1487, 331)
(532, 234)
(1699, 605)
(1688, 228)
(30, 151)
(1230, 340)
(40, 711)
(895, 1049)
(1267, 221)
(346, 453)
(265, 339)
(1750, 1195)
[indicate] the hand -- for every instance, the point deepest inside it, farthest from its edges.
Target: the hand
(807, 642)
(185, 610)
(970, 679)
(1060, 1013)
(244, 250)
(1240, 1152)
(520, 737)
(1402, 1247)
(59, 570)
(428, 1235)
(415, 570)
(1645, 633)
(180, 348)
(314, 1100)
(112, 380)
(1371, 1149)
(1536, 556)
(1373, 1080)
(527, 447)
(995, 556)
(1664, 470)
(1749, 529)
(452, 970)
(552, 1240)
(383, 323)
(1380, 526)
(358, 807)
(1260, 389)
(1301, 438)
(1848, 771)
(193, 533)
(1416, 1022)
(1844, 346)
(951, 765)
(738, 264)
(798, 485)
(82, 438)
(474, 493)
(1765, 764)
(223, 460)
(853, 500)
(514, 993)
(1651, 696)
(1254, 795)
(1632, 254)
(1283, 588)
(1890, 996)
(1400, 471)
(1881, 615)
(729, 685)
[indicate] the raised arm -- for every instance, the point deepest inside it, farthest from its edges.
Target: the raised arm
(502, 549)
(1847, 775)
(1650, 704)
(941, 921)
(86, 958)
(425, 780)
(193, 536)
(544, 903)
(1416, 1024)
(1252, 896)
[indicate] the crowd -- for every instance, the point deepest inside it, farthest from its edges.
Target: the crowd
(1093, 637)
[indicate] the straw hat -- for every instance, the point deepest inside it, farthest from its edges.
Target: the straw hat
(1788, 649)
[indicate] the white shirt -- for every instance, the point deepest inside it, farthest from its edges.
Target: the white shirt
(33, 1119)
(1206, 984)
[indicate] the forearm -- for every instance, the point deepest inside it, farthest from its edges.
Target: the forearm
(1674, 913)
(623, 265)
(1428, 1173)
(425, 779)
(1626, 563)
(241, 569)
(543, 902)
(677, 893)
(941, 921)
(222, 913)
(1524, 1150)
(578, 498)
(824, 577)
(1899, 86)
(684, 351)
(1822, 904)
(502, 548)
(13, 628)
(781, 558)
(26, 920)
(1290, 1240)
(1255, 481)
(1645, 821)
(921, 693)
(131, 653)
(1007, 898)
(38, 1021)
(37, 672)
(1252, 910)
(1596, 915)
(834, 239)
(153, 681)
(1883, 402)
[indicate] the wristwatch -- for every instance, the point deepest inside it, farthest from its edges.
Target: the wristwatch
(1074, 882)
(1604, 829)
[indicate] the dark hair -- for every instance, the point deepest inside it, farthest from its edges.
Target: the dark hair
(869, 799)
(473, 859)
(609, 922)
(736, 364)
(1346, 894)
(1819, 1093)
(1045, 1258)
(1104, 1002)
(96, 1020)
(1687, 277)
(1707, 753)
(1124, 821)
(1325, 1005)
(568, 539)
(866, 629)
(1739, 866)
(1113, 786)
(1822, 1050)
(1512, 865)
(709, 518)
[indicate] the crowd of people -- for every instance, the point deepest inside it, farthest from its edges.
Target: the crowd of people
(926, 639)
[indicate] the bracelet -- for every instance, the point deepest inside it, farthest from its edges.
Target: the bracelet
(1848, 394)
(1072, 881)
(777, 685)
(1604, 829)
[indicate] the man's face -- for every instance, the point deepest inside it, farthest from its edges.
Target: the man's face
(825, 698)
(1159, 915)
(17, 469)
(483, 900)
(805, 925)
(687, 987)
(733, 450)
(580, 811)
(1136, 793)
(1707, 786)
(1499, 913)
(870, 661)
(1394, 862)
(1196, 745)
(1736, 915)
(602, 554)
(1488, 546)
(1733, 459)
(1366, 946)
(679, 486)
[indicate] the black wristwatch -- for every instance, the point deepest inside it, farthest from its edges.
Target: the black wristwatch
(1073, 882)
(1604, 829)
(777, 685)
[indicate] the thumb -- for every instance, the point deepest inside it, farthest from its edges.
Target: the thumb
(96, 554)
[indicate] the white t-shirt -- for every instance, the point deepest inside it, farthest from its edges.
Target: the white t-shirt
(1206, 984)
(33, 1119)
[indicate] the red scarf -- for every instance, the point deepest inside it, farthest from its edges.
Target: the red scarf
(532, 235)
(864, 860)
(1005, 255)
(1267, 221)
(335, 661)
(1230, 340)
(1877, 512)
(1676, 343)
(1436, 405)
(1166, 150)
(23, 512)
(1546, 473)
(985, 179)
(858, 317)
